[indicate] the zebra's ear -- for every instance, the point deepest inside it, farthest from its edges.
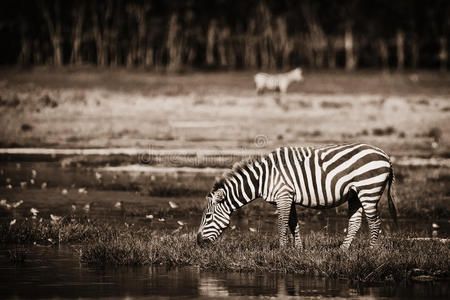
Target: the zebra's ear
(219, 195)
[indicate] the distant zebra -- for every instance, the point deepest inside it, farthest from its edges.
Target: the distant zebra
(276, 82)
(318, 178)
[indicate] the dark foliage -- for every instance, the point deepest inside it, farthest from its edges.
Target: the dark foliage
(232, 34)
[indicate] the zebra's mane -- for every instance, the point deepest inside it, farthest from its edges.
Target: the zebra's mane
(219, 183)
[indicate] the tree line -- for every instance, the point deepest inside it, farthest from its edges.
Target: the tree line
(229, 34)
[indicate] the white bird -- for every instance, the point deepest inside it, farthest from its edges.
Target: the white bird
(3, 202)
(161, 219)
(233, 227)
(98, 176)
(64, 191)
(173, 204)
(87, 207)
(74, 207)
(17, 204)
(34, 211)
(33, 173)
(31, 181)
(44, 185)
(23, 184)
(435, 226)
(118, 204)
(149, 216)
(82, 190)
(181, 223)
(8, 206)
(9, 187)
(252, 229)
(55, 218)
(12, 222)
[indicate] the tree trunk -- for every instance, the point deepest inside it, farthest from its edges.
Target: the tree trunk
(331, 53)
(77, 34)
(149, 62)
(224, 35)
(25, 49)
(100, 32)
(414, 54)
(443, 54)
(400, 41)
(174, 44)
(211, 38)
(384, 53)
(54, 30)
(349, 45)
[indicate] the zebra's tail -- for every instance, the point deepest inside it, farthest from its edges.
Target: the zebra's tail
(391, 197)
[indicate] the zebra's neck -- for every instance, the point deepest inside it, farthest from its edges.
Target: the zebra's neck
(256, 179)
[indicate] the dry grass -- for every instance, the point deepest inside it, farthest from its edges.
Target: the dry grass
(220, 110)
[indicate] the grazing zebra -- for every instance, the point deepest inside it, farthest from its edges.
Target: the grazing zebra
(278, 82)
(318, 178)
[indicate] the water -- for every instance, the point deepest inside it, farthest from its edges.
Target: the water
(55, 272)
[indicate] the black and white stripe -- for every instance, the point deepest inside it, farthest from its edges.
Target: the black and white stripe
(319, 178)
(276, 82)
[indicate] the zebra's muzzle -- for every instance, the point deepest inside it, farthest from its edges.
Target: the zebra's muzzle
(201, 241)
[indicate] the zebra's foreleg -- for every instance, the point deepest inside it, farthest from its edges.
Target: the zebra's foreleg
(373, 219)
(283, 209)
(294, 227)
(354, 222)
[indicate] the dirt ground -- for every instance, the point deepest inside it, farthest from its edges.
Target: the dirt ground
(405, 114)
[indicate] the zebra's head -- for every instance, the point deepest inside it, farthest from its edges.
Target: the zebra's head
(297, 74)
(216, 217)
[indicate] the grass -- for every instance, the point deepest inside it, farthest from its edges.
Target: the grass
(100, 243)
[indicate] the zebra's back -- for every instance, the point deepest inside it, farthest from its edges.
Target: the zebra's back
(268, 81)
(321, 177)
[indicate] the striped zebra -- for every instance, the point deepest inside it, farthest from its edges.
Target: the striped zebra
(276, 82)
(318, 178)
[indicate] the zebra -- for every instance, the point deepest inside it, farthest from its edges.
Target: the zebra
(276, 82)
(321, 177)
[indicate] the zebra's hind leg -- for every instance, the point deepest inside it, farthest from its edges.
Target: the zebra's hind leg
(354, 222)
(294, 227)
(370, 206)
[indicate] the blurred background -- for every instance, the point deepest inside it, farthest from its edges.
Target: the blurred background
(227, 34)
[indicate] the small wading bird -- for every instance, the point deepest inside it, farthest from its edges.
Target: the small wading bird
(55, 218)
(319, 178)
(34, 211)
(173, 204)
(87, 206)
(17, 204)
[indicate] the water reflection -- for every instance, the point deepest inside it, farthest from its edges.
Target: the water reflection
(51, 272)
